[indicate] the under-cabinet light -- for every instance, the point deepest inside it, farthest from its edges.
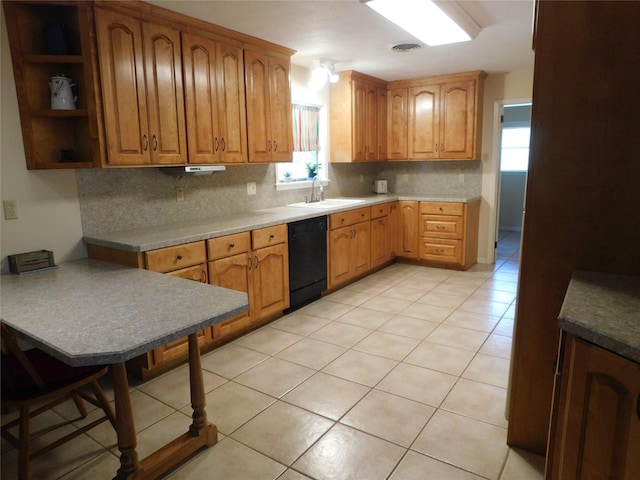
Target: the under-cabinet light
(427, 21)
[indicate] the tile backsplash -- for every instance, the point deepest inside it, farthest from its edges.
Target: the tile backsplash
(125, 198)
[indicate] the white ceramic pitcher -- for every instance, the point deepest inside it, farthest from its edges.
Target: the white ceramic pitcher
(62, 94)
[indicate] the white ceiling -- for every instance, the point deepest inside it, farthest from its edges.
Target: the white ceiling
(356, 38)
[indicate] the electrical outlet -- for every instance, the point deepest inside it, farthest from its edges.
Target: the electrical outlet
(461, 177)
(179, 194)
(361, 178)
(251, 188)
(405, 178)
(10, 209)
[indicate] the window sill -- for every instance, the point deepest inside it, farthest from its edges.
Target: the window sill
(282, 186)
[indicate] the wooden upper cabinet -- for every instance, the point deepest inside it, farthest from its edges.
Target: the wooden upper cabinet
(268, 93)
(142, 89)
(214, 99)
(397, 123)
(458, 113)
(382, 150)
(424, 122)
(443, 117)
(358, 118)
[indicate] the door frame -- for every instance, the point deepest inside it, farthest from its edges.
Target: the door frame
(491, 182)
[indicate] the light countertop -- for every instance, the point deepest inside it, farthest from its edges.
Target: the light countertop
(151, 238)
(604, 309)
(89, 312)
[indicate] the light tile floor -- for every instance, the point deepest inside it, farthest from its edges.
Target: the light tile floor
(399, 376)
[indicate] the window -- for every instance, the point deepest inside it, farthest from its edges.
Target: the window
(308, 152)
(514, 150)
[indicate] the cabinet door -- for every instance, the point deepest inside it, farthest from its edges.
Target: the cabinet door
(371, 123)
(201, 103)
(339, 255)
(233, 273)
(359, 120)
(424, 122)
(394, 216)
(256, 71)
(232, 115)
(163, 69)
(123, 88)
(408, 229)
(598, 433)
(382, 152)
(379, 241)
(361, 248)
(398, 122)
(270, 280)
(457, 136)
(280, 110)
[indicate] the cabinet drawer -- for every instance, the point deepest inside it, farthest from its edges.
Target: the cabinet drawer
(228, 245)
(174, 258)
(441, 226)
(441, 250)
(269, 236)
(350, 217)
(441, 208)
(378, 211)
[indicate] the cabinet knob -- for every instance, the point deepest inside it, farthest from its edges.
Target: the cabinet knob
(272, 236)
(179, 257)
(440, 208)
(342, 220)
(231, 245)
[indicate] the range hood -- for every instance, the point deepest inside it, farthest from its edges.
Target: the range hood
(192, 170)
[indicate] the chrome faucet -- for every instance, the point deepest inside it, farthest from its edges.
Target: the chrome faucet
(313, 198)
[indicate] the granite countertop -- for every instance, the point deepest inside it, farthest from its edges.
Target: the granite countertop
(605, 310)
(151, 238)
(89, 312)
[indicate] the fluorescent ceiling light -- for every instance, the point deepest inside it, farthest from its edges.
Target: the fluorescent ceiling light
(426, 21)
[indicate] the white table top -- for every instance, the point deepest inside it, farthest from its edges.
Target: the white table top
(90, 312)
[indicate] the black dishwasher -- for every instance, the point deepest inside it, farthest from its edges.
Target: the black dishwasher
(307, 261)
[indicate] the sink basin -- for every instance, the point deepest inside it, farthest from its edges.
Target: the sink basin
(329, 203)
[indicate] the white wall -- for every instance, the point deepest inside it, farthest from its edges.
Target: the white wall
(48, 206)
(500, 89)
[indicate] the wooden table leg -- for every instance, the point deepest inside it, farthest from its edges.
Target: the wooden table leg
(126, 429)
(196, 381)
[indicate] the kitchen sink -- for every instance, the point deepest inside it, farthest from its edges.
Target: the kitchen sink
(329, 203)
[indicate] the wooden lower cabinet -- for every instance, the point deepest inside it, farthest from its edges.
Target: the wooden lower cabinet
(166, 260)
(449, 233)
(381, 235)
(409, 215)
(262, 272)
(595, 427)
(349, 245)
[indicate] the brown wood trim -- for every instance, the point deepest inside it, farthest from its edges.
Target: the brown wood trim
(450, 77)
(113, 255)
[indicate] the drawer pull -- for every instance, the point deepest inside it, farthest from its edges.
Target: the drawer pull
(179, 257)
(439, 250)
(224, 144)
(250, 264)
(232, 245)
(272, 236)
(155, 143)
(256, 257)
(342, 220)
(440, 208)
(440, 227)
(216, 143)
(146, 142)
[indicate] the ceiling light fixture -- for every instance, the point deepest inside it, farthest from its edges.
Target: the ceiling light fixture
(427, 21)
(325, 70)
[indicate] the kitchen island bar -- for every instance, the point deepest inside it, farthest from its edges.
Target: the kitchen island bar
(89, 312)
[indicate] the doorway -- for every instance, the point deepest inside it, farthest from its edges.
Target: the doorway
(513, 159)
